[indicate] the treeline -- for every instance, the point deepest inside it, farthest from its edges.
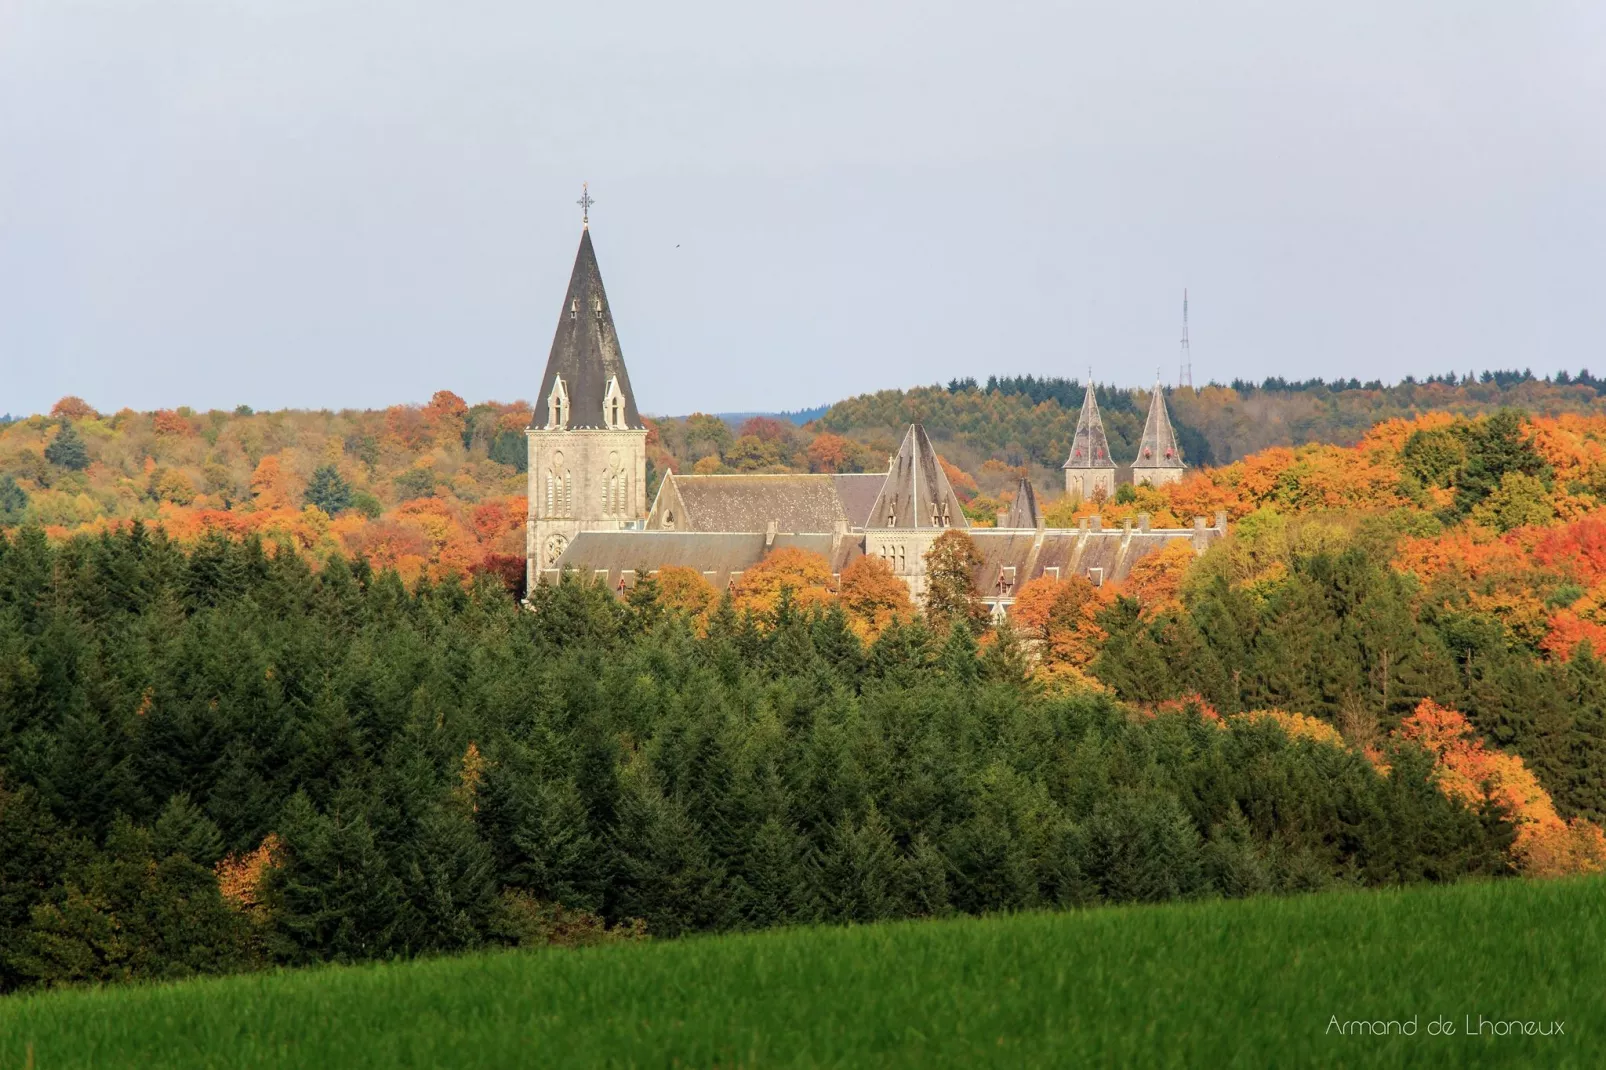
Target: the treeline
(217, 759)
(1330, 630)
(1029, 421)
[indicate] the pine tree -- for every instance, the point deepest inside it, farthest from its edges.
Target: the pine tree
(335, 895)
(13, 500)
(328, 490)
(67, 449)
(866, 874)
(182, 829)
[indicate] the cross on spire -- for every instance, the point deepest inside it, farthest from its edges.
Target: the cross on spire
(585, 202)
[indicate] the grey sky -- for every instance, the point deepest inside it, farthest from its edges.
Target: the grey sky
(328, 203)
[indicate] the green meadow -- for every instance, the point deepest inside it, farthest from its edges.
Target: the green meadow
(1246, 983)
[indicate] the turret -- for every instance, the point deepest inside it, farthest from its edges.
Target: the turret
(1159, 458)
(1089, 470)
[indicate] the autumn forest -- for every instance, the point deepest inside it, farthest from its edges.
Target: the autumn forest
(272, 691)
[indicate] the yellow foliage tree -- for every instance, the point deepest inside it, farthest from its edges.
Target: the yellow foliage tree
(684, 590)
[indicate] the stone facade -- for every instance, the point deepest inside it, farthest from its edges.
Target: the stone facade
(582, 480)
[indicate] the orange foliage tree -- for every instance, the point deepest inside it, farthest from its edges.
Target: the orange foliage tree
(271, 485)
(807, 575)
(830, 453)
(1062, 613)
(873, 596)
(1155, 578)
(1546, 846)
(240, 876)
(73, 408)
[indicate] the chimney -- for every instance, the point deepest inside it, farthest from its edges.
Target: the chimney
(1096, 522)
(1082, 525)
(1126, 526)
(1221, 520)
(1003, 518)
(1042, 522)
(1143, 522)
(1199, 525)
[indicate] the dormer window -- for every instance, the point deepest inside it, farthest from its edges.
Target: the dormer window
(574, 308)
(596, 307)
(557, 406)
(613, 405)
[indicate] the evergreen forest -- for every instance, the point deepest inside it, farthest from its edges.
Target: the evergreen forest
(216, 758)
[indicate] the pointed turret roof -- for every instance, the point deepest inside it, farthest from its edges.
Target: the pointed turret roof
(1090, 449)
(1023, 510)
(916, 493)
(1158, 447)
(585, 351)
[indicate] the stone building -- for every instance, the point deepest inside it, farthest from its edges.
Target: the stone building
(588, 510)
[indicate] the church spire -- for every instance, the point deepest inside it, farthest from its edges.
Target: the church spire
(1158, 449)
(1089, 448)
(916, 493)
(586, 385)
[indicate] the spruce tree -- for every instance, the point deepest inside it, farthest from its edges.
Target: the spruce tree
(13, 500)
(328, 491)
(67, 449)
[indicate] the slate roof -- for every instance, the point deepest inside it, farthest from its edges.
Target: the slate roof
(1023, 510)
(585, 349)
(1158, 447)
(1113, 551)
(745, 503)
(916, 493)
(1089, 448)
(857, 492)
(720, 556)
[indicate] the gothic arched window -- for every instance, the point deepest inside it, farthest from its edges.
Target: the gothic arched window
(613, 405)
(557, 406)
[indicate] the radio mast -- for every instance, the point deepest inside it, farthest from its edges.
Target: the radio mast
(1185, 375)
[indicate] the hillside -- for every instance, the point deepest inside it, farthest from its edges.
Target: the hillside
(1256, 983)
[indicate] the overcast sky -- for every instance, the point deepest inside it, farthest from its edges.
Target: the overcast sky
(328, 203)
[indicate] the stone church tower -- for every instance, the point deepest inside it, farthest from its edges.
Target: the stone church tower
(915, 506)
(1089, 470)
(1159, 459)
(587, 444)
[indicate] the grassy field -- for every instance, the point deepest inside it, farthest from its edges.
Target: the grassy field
(1253, 983)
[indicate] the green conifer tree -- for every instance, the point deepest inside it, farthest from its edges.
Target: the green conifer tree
(67, 449)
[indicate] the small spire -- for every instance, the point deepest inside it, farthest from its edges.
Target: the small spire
(585, 202)
(1089, 446)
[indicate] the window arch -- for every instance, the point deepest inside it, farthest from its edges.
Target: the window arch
(557, 405)
(613, 405)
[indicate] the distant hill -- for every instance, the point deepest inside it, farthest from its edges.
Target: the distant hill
(800, 417)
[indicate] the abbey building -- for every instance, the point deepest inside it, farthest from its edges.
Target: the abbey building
(588, 507)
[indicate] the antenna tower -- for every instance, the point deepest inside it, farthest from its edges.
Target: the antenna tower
(1185, 375)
